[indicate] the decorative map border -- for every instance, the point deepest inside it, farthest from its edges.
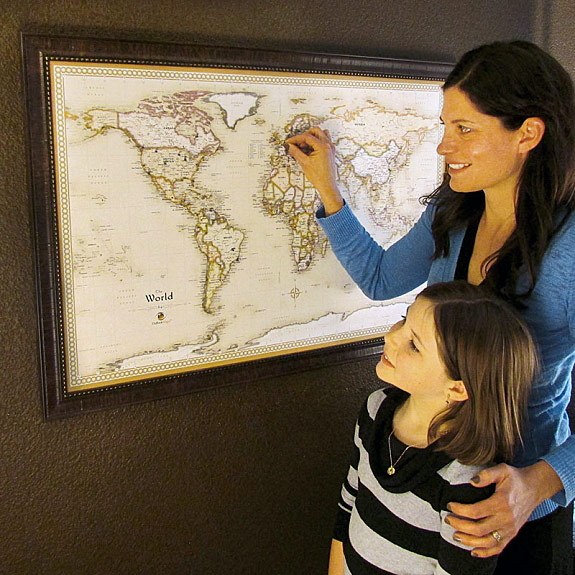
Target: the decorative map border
(47, 60)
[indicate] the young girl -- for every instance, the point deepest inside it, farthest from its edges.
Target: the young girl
(460, 365)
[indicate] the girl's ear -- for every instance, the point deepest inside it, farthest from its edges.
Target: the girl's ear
(457, 390)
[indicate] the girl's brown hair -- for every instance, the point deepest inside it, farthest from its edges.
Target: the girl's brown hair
(483, 342)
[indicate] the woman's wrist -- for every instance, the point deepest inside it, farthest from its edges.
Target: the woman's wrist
(544, 479)
(332, 202)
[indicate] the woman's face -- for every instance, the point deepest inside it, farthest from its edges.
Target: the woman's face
(480, 153)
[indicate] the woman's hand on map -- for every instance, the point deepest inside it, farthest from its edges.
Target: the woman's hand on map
(314, 152)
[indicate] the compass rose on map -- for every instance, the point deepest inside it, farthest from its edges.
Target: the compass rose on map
(295, 293)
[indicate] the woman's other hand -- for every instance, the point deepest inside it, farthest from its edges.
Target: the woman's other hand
(489, 525)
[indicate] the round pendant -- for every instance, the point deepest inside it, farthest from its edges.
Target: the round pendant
(390, 470)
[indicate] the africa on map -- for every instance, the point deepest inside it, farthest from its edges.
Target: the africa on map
(188, 234)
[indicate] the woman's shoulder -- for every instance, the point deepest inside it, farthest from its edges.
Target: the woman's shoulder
(568, 227)
(561, 245)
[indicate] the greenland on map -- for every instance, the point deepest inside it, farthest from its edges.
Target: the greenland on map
(187, 235)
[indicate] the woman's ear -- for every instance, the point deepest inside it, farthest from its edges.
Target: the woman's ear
(457, 391)
(532, 131)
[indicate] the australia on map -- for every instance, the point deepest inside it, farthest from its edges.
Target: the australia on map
(189, 234)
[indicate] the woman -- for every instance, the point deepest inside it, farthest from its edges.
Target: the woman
(504, 217)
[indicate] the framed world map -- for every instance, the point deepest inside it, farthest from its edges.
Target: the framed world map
(176, 242)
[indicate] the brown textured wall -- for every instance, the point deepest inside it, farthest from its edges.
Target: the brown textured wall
(242, 480)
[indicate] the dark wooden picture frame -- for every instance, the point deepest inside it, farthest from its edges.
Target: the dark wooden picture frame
(38, 52)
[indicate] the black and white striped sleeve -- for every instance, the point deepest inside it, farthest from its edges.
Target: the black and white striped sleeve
(350, 485)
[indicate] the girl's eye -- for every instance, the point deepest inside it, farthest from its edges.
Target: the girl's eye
(464, 129)
(413, 346)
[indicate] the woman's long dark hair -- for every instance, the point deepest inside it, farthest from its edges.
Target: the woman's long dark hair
(514, 81)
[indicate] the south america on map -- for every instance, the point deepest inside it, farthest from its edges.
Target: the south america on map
(190, 234)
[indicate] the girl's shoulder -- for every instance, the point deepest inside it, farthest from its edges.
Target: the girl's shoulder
(456, 472)
(374, 401)
(389, 397)
(458, 477)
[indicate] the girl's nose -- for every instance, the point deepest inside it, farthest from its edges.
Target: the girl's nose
(391, 335)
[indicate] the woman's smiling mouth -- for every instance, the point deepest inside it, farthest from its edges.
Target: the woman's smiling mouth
(457, 167)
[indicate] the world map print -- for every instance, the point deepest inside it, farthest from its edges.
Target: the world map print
(189, 234)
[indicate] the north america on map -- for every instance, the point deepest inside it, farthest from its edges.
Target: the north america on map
(193, 232)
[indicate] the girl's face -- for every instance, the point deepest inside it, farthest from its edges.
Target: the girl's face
(411, 360)
(480, 153)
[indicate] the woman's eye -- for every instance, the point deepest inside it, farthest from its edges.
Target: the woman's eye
(464, 129)
(413, 346)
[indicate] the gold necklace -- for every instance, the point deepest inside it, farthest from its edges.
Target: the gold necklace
(391, 468)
